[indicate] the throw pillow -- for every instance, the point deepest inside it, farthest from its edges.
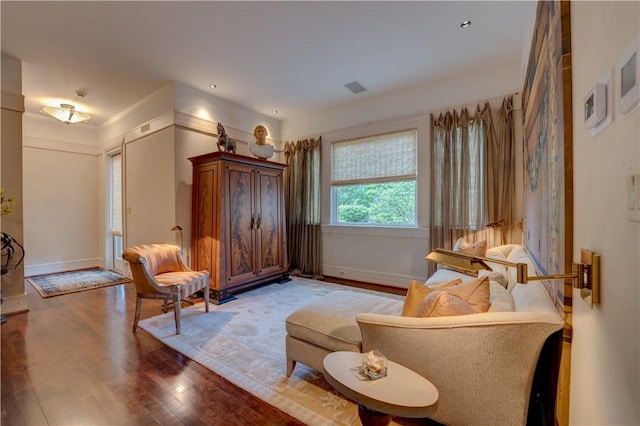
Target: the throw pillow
(476, 249)
(441, 285)
(460, 243)
(494, 276)
(500, 299)
(441, 303)
(474, 292)
(417, 292)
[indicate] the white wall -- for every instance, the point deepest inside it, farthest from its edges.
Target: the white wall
(149, 196)
(63, 196)
(14, 297)
(234, 117)
(453, 91)
(395, 256)
(62, 217)
(605, 358)
(188, 144)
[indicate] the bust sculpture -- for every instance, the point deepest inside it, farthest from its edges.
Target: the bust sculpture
(260, 148)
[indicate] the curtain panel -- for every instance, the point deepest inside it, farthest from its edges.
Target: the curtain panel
(473, 177)
(302, 206)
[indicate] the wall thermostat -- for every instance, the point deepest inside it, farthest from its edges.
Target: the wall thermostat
(595, 105)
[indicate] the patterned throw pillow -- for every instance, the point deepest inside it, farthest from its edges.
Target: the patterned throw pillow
(416, 294)
(470, 297)
(443, 304)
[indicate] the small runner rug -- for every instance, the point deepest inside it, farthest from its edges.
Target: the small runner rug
(244, 341)
(70, 282)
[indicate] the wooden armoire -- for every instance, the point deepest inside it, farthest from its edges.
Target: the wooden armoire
(238, 230)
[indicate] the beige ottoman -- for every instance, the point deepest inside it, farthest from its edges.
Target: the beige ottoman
(329, 325)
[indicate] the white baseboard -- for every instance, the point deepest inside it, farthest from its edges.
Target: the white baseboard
(13, 304)
(53, 268)
(374, 277)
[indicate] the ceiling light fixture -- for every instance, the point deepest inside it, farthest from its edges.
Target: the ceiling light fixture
(275, 111)
(213, 86)
(66, 113)
(465, 24)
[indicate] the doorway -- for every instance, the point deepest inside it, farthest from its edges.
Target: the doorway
(115, 235)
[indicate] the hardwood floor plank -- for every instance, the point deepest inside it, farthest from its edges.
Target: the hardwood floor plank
(73, 359)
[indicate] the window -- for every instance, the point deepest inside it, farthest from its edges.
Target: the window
(373, 179)
(115, 218)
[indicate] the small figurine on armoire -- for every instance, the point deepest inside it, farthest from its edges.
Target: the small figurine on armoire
(225, 143)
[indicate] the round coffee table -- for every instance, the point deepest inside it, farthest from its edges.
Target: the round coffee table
(403, 392)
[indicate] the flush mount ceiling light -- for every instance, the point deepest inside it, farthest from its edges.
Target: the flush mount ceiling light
(66, 113)
(465, 24)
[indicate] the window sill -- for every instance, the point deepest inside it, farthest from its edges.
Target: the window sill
(380, 231)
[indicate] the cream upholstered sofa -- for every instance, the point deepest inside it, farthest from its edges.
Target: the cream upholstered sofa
(482, 364)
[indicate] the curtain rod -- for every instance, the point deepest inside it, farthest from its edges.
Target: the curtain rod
(495, 102)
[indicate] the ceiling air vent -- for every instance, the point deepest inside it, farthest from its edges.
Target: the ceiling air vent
(355, 87)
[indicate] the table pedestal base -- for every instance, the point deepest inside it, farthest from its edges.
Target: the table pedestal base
(372, 418)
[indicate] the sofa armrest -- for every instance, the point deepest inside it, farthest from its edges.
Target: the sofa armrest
(482, 364)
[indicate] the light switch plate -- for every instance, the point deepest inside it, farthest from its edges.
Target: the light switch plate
(605, 93)
(633, 197)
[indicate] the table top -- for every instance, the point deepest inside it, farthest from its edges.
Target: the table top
(402, 392)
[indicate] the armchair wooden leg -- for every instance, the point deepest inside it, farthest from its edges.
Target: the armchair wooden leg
(136, 317)
(291, 364)
(206, 299)
(176, 310)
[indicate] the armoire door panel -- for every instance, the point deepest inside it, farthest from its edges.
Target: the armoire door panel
(241, 222)
(205, 228)
(269, 193)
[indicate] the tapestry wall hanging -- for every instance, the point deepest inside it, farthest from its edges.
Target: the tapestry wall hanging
(546, 103)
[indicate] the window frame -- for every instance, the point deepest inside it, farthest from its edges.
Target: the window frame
(333, 210)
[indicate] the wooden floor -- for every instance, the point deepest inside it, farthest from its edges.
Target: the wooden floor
(73, 360)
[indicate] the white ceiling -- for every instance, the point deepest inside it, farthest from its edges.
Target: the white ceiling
(289, 56)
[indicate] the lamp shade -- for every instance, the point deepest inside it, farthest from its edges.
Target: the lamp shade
(66, 113)
(458, 260)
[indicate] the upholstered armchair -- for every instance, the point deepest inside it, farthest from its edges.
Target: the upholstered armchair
(159, 273)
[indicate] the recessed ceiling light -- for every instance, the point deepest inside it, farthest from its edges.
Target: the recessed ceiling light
(275, 111)
(213, 86)
(465, 24)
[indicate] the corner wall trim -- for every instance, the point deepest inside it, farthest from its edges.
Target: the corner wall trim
(373, 277)
(152, 126)
(72, 265)
(12, 101)
(14, 304)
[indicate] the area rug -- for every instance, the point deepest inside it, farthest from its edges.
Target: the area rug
(244, 341)
(70, 282)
